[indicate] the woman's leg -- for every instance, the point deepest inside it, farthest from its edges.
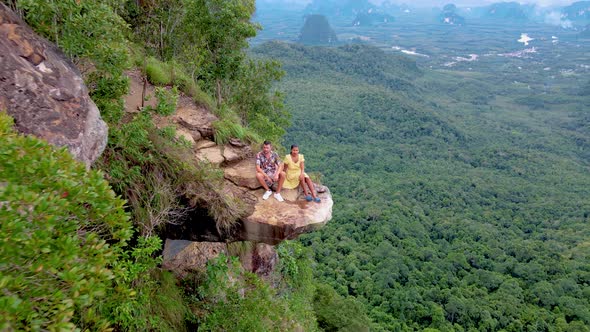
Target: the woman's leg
(310, 186)
(302, 186)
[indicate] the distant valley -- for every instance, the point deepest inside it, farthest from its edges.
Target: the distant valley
(504, 46)
(458, 157)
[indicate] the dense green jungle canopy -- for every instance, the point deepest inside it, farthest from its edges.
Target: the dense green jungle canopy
(461, 200)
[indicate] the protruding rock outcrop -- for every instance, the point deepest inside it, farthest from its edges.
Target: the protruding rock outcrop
(264, 222)
(45, 93)
(270, 221)
(273, 221)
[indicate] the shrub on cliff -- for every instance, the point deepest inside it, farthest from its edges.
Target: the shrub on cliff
(62, 230)
(231, 299)
(65, 262)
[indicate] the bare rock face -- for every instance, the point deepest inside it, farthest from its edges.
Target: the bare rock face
(232, 153)
(213, 154)
(186, 135)
(260, 259)
(242, 174)
(196, 120)
(183, 256)
(227, 154)
(273, 221)
(45, 93)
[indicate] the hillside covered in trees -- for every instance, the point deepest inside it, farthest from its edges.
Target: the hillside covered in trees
(462, 198)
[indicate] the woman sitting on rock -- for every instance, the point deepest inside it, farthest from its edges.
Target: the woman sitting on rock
(294, 166)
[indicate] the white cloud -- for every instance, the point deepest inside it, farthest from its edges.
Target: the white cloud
(460, 3)
(440, 3)
(554, 18)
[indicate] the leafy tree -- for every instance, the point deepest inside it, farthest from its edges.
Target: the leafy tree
(82, 29)
(156, 24)
(335, 313)
(240, 301)
(221, 30)
(257, 102)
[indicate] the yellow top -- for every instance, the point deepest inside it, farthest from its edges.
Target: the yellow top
(293, 170)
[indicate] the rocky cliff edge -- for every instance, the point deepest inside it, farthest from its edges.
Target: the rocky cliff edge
(267, 222)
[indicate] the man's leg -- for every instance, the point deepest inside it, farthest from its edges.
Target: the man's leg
(277, 195)
(282, 176)
(261, 178)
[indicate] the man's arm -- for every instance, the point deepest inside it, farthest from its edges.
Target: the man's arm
(259, 169)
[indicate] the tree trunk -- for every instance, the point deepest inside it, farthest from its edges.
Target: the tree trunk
(219, 100)
(161, 42)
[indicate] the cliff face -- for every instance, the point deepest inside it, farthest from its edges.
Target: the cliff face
(47, 97)
(44, 92)
(264, 222)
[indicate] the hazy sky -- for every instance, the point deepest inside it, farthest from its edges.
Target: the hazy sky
(460, 3)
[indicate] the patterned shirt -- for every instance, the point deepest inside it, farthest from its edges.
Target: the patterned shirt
(268, 165)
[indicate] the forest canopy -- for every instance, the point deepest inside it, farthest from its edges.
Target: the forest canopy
(452, 214)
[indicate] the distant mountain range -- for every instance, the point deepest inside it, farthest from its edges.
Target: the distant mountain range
(449, 16)
(363, 13)
(507, 11)
(574, 15)
(317, 30)
(340, 8)
(372, 18)
(577, 11)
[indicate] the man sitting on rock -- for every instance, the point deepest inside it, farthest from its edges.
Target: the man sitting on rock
(269, 170)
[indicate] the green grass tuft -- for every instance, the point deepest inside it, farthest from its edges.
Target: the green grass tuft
(230, 126)
(158, 73)
(167, 100)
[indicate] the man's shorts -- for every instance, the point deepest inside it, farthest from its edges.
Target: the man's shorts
(271, 184)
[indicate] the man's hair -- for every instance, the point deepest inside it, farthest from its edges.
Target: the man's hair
(266, 143)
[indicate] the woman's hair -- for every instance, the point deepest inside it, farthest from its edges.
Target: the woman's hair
(294, 146)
